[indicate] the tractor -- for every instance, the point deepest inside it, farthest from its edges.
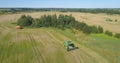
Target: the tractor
(69, 45)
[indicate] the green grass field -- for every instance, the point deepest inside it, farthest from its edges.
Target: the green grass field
(45, 45)
(109, 47)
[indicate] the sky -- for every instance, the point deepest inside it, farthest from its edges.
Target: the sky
(59, 3)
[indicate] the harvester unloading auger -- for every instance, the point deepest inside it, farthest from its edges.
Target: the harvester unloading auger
(69, 45)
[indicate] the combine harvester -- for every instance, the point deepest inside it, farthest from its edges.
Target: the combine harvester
(69, 45)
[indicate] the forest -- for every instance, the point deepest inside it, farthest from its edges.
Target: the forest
(62, 22)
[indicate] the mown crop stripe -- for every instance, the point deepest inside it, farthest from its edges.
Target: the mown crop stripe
(37, 52)
(3, 44)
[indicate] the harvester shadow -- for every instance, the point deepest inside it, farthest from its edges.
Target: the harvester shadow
(72, 49)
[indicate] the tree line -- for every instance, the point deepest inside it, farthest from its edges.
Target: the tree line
(85, 10)
(96, 10)
(60, 22)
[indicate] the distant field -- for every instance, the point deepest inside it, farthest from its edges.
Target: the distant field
(45, 45)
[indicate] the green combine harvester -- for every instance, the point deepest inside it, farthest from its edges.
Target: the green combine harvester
(69, 45)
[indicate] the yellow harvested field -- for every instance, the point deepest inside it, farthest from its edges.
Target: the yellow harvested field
(45, 45)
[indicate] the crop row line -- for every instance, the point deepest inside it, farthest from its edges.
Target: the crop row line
(37, 52)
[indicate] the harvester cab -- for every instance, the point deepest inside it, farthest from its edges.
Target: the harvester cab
(69, 45)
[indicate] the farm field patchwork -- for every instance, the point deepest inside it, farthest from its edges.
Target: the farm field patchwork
(45, 45)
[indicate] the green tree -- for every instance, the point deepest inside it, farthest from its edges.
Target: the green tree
(25, 20)
(87, 29)
(117, 35)
(61, 22)
(37, 23)
(54, 21)
(100, 29)
(94, 29)
(108, 33)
